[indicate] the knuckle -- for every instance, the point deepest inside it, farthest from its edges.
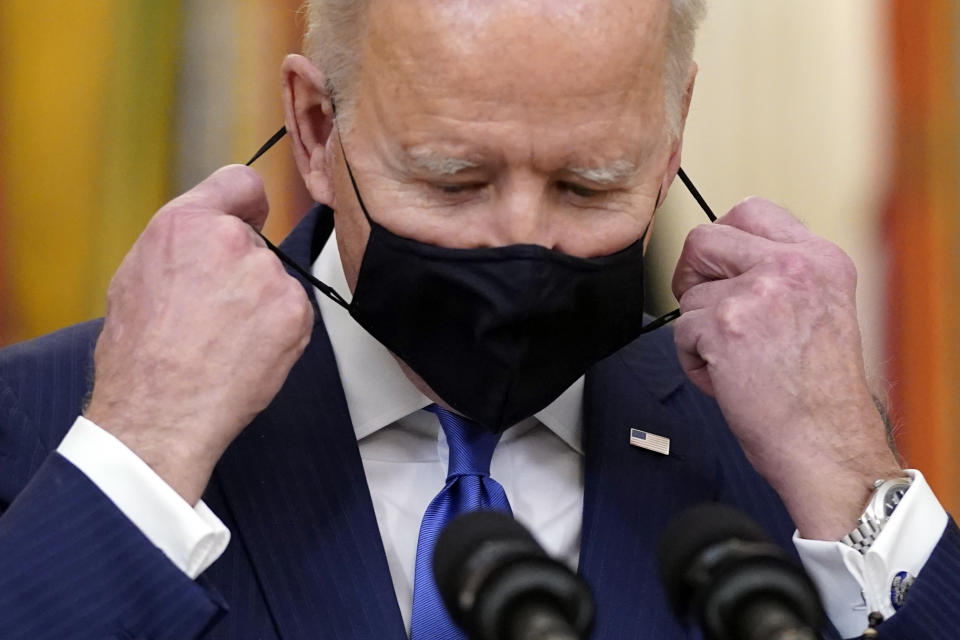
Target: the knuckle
(305, 310)
(752, 206)
(742, 210)
(755, 212)
(841, 263)
(297, 311)
(294, 292)
(754, 203)
(795, 265)
(678, 283)
(730, 317)
(683, 331)
(766, 286)
(268, 269)
(233, 234)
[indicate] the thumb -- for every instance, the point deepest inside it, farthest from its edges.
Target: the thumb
(235, 190)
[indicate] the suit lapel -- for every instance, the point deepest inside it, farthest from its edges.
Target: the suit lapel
(631, 493)
(295, 485)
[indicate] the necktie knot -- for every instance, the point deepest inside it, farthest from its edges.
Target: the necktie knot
(471, 445)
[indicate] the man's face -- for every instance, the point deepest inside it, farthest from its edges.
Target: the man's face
(496, 123)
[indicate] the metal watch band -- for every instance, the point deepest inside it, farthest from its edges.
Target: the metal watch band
(863, 537)
(875, 515)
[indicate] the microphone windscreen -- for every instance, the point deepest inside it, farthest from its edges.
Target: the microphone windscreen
(693, 531)
(461, 538)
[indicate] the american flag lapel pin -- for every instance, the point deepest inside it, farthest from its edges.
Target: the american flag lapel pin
(650, 441)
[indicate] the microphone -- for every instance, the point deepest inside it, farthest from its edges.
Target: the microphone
(718, 566)
(498, 584)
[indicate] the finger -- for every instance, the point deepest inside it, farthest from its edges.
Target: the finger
(714, 252)
(763, 218)
(709, 294)
(235, 190)
(687, 333)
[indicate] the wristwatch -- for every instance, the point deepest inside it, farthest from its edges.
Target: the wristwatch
(886, 496)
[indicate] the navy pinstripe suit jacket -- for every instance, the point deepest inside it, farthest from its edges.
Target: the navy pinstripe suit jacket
(306, 559)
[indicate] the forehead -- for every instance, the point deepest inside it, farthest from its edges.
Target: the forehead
(588, 66)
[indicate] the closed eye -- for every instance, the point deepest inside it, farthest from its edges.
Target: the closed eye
(580, 191)
(458, 188)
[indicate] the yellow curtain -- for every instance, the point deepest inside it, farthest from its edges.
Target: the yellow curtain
(108, 108)
(87, 90)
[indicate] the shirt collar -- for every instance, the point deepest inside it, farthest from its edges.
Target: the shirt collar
(376, 389)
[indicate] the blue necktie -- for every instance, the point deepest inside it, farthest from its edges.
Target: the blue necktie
(469, 487)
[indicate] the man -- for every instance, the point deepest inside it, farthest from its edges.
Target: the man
(439, 136)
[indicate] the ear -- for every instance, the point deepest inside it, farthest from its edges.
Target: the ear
(673, 165)
(308, 115)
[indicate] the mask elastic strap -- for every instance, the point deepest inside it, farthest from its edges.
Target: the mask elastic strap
(353, 181)
(274, 139)
(325, 289)
(696, 194)
(673, 315)
(331, 293)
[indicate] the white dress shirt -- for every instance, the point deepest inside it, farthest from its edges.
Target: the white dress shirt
(539, 462)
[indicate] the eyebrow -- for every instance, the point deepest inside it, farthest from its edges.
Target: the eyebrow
(436, 163)
(610, 174)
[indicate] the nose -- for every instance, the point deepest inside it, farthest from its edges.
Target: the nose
(520, 214)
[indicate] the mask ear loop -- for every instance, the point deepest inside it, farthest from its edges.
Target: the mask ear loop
(325, 289)
(353, 181)
(331, 293)
(696, 195)
(673, 315)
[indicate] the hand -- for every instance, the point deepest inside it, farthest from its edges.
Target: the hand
(202, 328)
(769, 327)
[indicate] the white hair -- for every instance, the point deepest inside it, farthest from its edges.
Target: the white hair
(685, 17)
(332, 34)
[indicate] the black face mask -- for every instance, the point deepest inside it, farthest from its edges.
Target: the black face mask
(497, 333)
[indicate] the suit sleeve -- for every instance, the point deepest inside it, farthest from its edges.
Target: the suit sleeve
(192, 537)
(929, 612)
(71, 564)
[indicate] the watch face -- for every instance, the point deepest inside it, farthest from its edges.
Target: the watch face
(893, 498)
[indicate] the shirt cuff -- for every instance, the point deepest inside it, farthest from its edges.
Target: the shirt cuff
(852, 585)
(191, 537)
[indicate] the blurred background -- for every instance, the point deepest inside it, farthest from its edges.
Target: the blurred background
(845, 112)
